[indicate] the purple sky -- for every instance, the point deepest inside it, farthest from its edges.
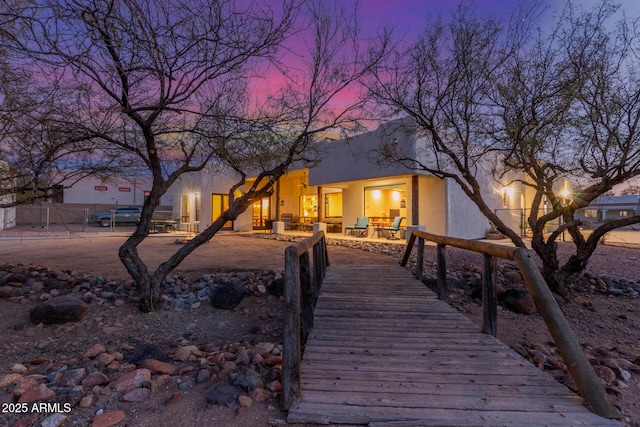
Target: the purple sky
(411, 15)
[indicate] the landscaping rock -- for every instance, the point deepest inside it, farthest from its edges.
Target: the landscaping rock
(227, 296)
(224, 394)
(58, 310)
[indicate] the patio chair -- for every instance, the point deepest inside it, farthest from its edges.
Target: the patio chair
(393, 228)
(360, 228)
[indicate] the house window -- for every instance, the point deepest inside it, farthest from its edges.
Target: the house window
(185, 215)
(333, 204)
(219, 204)
(590, 213)
(385, 202)
(308, 206)
(624, 214)
(261, 213)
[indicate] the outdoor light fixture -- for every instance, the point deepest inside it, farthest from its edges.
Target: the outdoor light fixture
(326, 200)
(282, 202)
(403, 204)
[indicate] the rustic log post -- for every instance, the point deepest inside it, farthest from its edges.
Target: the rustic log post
(442, 272)
(300, 294)
(306, 297)
(582, 372)
(420, 259)
(489, 296)
(291, 345)
(407, 252)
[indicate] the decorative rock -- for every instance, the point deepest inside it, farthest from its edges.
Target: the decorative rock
(244, 401)
(519, 301)
(513, 276)
(260, 394)
(132, 380)
(86, 401)
(175, 398)
(37, 393)
(183, 353)
(227, 296)
(605, 374)
(72, 377)
(8, 379)
(58, 310)
(247, 379)
(147, 351)
(158, 367)
(274, 386)
(224, 394)
(94, 350)
(264, 348)
(107, 419)
(203, 376)
(54, 420)
(273, 360)
(104, 359)
(95, 378)
(19, 368)
(137, 395)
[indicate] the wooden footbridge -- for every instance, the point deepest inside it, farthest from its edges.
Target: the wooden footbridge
(385, 351)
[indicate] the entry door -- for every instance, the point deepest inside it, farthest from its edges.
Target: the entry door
(219, 204)
(261, 214)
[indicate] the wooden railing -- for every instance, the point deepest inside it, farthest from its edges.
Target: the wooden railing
(589, 385)
(302, 282)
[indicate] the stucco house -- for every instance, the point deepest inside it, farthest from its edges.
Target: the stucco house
(346, 184)
(608, 208)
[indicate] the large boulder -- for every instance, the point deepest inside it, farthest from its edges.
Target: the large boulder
(58, 310)
(227, 296)
(519, 301)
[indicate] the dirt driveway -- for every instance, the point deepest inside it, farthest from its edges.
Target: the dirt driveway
(227, 251)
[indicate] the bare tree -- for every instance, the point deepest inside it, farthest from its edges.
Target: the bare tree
(169, 82)
(41, 152)
(528, 106)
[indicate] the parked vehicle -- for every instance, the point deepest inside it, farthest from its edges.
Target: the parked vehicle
(120, 215)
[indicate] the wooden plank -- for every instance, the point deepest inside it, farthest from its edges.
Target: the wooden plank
(385, 352)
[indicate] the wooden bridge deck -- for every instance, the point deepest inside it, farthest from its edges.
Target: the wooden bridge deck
(384, 351)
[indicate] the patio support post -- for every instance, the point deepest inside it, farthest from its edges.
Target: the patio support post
(415, 200)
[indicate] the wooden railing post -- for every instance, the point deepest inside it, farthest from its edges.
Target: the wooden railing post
(581, 370)
(489, 296)
(420, 259)
(442, 272)
(302, 287)
(291, 345)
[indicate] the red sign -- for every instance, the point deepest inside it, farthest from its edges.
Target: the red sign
(124, 189)
(100, 188)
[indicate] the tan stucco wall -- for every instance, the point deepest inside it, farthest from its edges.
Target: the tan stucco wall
(432, 204)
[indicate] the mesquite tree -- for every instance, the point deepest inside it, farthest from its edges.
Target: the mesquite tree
(526, 105)
(180, 86)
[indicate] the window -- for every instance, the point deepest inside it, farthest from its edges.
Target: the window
(385, 202)
(185, 216)
(333, 204)
(624, 214)
(309, 206)
(590, 213)
(219, 204)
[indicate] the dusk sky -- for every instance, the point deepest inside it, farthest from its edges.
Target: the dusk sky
(411, 15)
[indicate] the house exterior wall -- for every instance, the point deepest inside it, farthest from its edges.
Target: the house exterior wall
(115, 191)
(433, 201)
(464, 219)
(7, 218)
(350, 164)
(203, 184)
(608, 208)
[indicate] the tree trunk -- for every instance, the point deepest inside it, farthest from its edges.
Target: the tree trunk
(147, 284)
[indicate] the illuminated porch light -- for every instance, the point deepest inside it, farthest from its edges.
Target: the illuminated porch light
(376, 194)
